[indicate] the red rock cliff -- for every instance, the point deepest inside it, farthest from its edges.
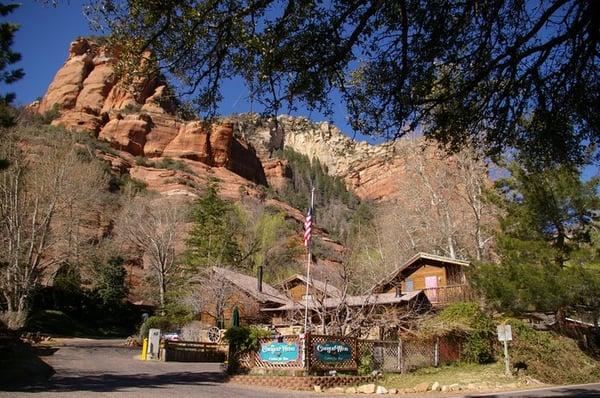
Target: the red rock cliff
(138, 118)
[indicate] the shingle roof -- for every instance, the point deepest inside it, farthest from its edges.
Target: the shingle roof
(249, 285)
(324, 287)
(412, 260)
(354, 301)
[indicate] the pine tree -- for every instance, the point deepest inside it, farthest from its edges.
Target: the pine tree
(546, 244)
(111, 287)
(212, 239)
(7, 58)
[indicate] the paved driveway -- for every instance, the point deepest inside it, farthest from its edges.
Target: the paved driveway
(102, 368)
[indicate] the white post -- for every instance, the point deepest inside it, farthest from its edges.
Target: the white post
(506, 359)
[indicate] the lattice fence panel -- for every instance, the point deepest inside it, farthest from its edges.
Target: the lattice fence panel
(316, 361)
(418, 354)
(252, 359)
(386, 355)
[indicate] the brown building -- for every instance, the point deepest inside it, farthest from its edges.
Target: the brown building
(442, 279)
(230, 297)
(295, 288)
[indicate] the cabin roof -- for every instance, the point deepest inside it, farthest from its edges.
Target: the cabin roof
(249, 284)
(354, 301)
(324, 287)
(414, 259)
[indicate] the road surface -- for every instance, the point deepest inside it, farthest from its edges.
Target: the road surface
(91, 368)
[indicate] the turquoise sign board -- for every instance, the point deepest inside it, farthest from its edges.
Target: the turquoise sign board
(333, 351)
(278, 352)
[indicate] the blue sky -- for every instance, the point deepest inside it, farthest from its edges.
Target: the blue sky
(43, 40)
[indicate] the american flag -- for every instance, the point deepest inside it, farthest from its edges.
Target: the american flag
(308, 228)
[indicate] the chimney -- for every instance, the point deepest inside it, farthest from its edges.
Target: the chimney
(398, 291)
(259, 278)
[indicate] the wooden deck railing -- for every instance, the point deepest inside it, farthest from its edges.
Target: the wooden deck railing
(448, 294)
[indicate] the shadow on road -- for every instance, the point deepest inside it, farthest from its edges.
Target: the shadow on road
(112, 382)
(576, 392)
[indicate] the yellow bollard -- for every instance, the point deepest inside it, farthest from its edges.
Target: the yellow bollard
(145, 349)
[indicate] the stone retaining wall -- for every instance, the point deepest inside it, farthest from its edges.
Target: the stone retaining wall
(302, 382)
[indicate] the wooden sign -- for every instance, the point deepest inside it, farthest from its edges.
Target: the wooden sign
(333, 351)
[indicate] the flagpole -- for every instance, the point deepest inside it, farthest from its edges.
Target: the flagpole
(309, 246)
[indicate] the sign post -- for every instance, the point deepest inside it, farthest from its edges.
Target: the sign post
(505, 335)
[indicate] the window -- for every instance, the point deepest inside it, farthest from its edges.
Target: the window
(408, 285)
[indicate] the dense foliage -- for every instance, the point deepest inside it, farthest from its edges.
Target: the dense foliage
(8, 58)
(242, 339)
(468, 70)
(469, 323)
(548, 244)
(212, 239)
(111, 285)
(334, 203)
(242, 235)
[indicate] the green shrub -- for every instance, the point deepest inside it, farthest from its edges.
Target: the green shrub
(172, 164)
(245, 338)
(143, 161)
(126, 184)
(550, 358)
(242, 339)
(131, 108)
(50, 115)
(471, 324)
(365, 363)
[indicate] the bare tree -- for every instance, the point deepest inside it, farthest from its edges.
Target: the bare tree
(441, 207)
(350, 315)
(49, 198)
(155, 228)
(210, 294)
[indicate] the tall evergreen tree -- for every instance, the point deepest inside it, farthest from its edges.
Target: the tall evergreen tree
(212, 239)
(111, 286)
(547, 244)
(552, 206)
(7, 58)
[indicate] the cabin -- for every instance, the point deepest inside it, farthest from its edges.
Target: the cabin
(295, 288)
(231, 298)
(442, 279)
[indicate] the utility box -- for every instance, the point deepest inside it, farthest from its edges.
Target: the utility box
(154, 344)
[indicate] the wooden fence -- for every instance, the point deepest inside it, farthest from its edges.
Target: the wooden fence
(191, 351)
(323, 353)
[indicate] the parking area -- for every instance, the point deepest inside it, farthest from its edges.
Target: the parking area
(100, 368)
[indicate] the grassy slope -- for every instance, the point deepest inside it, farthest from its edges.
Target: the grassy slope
(462, 374)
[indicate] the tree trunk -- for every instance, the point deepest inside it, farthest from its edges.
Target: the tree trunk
(162, 291)
(15, 319)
